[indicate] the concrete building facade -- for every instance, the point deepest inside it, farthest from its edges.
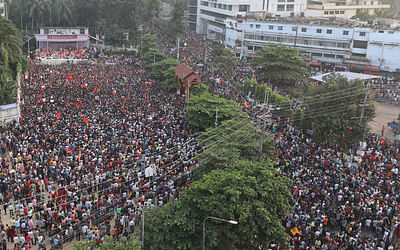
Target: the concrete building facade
(343, 8)
(358, 49)
(4, 8)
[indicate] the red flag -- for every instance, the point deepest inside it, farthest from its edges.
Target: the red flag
(145, 85)
(114, 92)
(98, 90)
(69, 78)
(86, 121)
(94, 90)
(40, 95)
(124, 99)
(150, 83)
(68, 102)
(58, 115)
(82, 86)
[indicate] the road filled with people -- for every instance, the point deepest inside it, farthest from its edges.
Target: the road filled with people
(343, 201)
(97, 144)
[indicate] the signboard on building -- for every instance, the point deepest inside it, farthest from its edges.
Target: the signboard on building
(8, 113)
(215, 28)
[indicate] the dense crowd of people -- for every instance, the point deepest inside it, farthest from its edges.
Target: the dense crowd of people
(93, 141)
(343, 201)
(97, 144)
(60, 53)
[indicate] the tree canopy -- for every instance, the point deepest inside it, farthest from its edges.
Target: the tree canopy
(202, 110)
(11, 61)
(223, 61)
(280, 64)
(228, 143)
(251, 193)
(333, 110)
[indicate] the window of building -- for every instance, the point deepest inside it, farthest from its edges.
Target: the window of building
(316, 54)
(229, 7)
(258, 26)
(328, 31)
(362, 33)
(278, 39)
(342, 12)
(271, 27)
(329, 55)
(391, 32)
(294, 28)
(290, 1)
(345, 32)
(381, 31)
(251, 25)
(319, 30)
(359, 55)
(281, 7)
(360, 44)
(331, 12)
(303, 29)
(290, 7)
(320, 43)
(204, 3)
(326, 12)
(82, 31)
(280, 27)
(281, 1)
(244, 8)
(219, 6)
(337, 12)
(339, 56)
(250, 47)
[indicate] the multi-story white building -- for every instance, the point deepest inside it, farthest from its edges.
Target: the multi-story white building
(359, 49)
(343, 8)
(4, 5)
(212, 15)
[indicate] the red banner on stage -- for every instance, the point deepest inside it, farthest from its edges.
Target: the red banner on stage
(62, 37)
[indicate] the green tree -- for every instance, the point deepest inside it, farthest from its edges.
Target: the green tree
(63, 12)
(199, 89)
(232, 140)
(224, 62)
(159, 69)
(176, 24)
(202, 110)
(363, 15)
(169, 76)
(10, 48)
(109, 243)
(280, 64)
(152, 56)
(8, 90)
(249, 192)
(333, 110)
(148, 42)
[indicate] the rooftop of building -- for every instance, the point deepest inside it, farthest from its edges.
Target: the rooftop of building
(378, 23)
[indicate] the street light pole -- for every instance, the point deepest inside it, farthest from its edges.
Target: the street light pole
(143, 212)
(214, 218)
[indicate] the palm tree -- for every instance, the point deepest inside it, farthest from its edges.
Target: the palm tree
(10, 41)
(63, 12)
(8, 90)
(37, 9)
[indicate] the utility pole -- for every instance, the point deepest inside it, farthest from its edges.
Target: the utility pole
(179, 41)
(216, 118)
(295, 39)
(365, 104)
(264, 123)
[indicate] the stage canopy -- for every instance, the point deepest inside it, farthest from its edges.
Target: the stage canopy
(348, 75)
(59, 37)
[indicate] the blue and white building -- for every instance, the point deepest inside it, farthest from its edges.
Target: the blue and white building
(358, 49)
